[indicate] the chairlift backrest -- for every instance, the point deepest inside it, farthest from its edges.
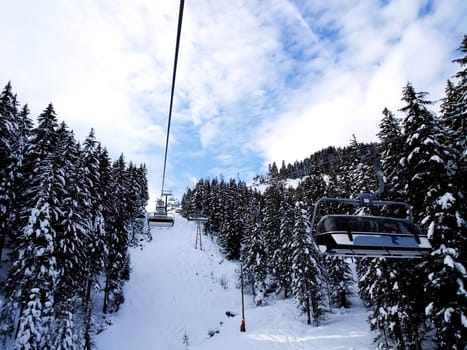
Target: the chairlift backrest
(367, 224)
(160, 206)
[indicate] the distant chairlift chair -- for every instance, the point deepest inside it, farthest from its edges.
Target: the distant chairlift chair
(160, 218)
(201, 221)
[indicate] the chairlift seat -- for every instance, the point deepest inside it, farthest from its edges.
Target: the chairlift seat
(161, 220)
(371, 236)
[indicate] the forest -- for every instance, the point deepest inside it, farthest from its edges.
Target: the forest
(68, 216)
(412, 303)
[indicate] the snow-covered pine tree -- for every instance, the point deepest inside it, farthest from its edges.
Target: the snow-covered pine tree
(423, 159)
(214, 208)
(117, 265)
(459, 106)
(8, 161)
(197, 199)
(422, 168)
(273, 172)
(32, 326)
(231, 232)
(446, 267)
(204, 200)
(22, 169)
(142, 201)
(95, 244)
(15, 128)
(307, 272)
(66, 339)
(453, 116)
(281, 262)
(383, 286)
(453, 112)
(357, 175)
(253, 254)
(137, 200)
(377, 277)
(72, 231)
(226, 238)
(35, 272)
(185, 202)
(392, 146)
(341, 282)
(271, 218)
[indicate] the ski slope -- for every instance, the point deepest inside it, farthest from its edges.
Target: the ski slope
(178, 296)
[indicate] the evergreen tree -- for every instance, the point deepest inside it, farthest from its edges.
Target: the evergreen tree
(422, 167)
(307, 276)
(138, 196)
(282, 257)
(35, 272)
(392, 144)
(273, 172)
(254, 253)
(232, 225)
(22, 168)
(423, 160)
(271, 218)
(72, 230)
(446, 217)
(341, 282)
(197, 205)
(66, 339)
(33, 327)
(117, 265)
(214, 205)
(8, 161)
(383, 286)
(95, 192)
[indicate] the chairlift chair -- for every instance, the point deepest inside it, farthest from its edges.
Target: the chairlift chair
(198, 218)
(160, 218)
(201, 221)
(368, 236)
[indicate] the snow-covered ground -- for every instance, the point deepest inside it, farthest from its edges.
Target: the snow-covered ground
(178, 297)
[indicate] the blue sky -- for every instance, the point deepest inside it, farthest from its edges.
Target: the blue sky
(258, 81)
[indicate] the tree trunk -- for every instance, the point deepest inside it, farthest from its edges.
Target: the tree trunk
(308, 314)
(106, 293)
(19, 320)
(2, 243)
(315, 312)
(88, 315)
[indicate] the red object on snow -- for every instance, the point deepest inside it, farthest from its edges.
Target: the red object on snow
(242, 326)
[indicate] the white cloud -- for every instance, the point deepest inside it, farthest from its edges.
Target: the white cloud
(105, 65)
(374, 53)
(276, 80)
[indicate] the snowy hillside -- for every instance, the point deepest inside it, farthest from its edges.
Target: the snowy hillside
(178, 297)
